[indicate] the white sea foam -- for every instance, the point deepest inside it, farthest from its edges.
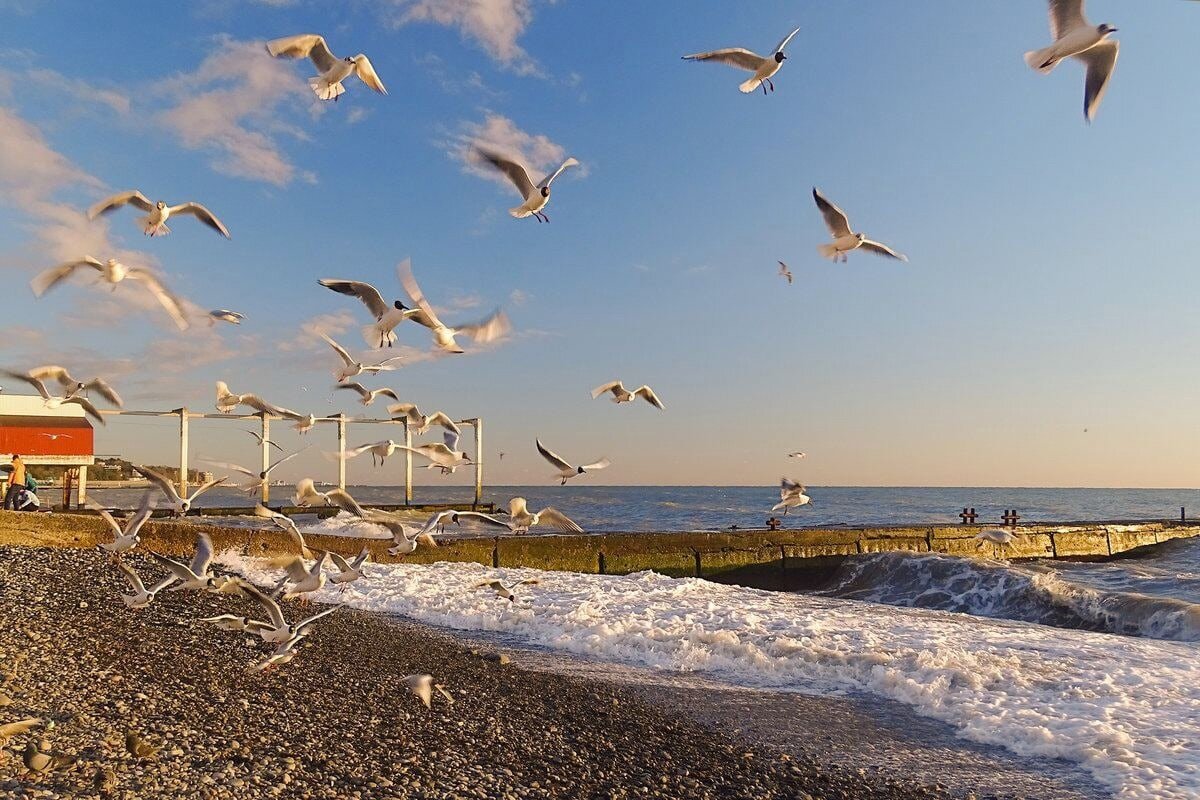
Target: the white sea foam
(348, 525)
(1126, 709)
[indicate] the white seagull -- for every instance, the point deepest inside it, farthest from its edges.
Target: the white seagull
(521, 519)
(258, 478)
(565, 470)
(996, 536)
(74, 387)
(286, 523)
(378, 450)
(405, 538)
(350, 367)
(141, 596)
(327, 85)
(302, 579)
(798, 454)
(261, 441)
(125, 538)
(367, 396)
(763, 67)
(196, 575)
(420, 422)
(622, 395)
(349, 571)
(179, 505)
(504, 591)
(784, 272)
(307, 495)
(844, 239)
(437, 521)
(227, 403)
(113, 272)
(422, 686)
(224, 315)
(487, 330)
(155, 221)
(535, 197)
(1075, 37)
(277, 630)
(791, 495)
(443, 455)
(383, 332)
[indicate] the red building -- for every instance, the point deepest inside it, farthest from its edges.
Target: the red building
(60, 436)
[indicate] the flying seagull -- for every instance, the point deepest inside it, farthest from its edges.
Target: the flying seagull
(784, 272)
(327, 85)
(443, 455)
(1075, 37)
(506, 591)
(845, 240)
(349, 571)
(261, 441)
(113, 272)
(521, 519)
(565, 470)
(307, 495)
(125, 538)
(196, 575)
(227, 402)
(224, 315)
(378, 450)
(798, 454)
(741, 58)
(422, 686)
(488, 330)
(286, 523)
(791, 495)
(535, 197)
(350, 367)
(387, 317)
(180, 505)
(622, 395)
(141, 596)
(155, 221)
(367, 396)
(278, 630)
(74, 387)
(420, 422)
(258, 478)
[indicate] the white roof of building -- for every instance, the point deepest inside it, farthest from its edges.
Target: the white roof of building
(32, 405)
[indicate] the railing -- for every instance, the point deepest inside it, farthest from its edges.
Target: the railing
(343, 423)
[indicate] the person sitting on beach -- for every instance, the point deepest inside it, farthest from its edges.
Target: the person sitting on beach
(27, 500)
(16, 482)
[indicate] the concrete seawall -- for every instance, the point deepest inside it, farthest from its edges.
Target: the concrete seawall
(768, 559)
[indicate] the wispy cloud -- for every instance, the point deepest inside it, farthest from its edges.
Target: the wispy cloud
(519, 297)
(79, 90)
(498, 133)
(495, 24)
(453, 80)
(235, 105)
(357, 115)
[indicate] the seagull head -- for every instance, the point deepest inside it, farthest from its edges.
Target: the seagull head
(1105, 29)
(349, 59)
(780, 57)
(400, 306)
(160, 205)
(862, 237)
(545, 191)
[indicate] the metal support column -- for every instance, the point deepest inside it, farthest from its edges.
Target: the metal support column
(478, 425)
(183, 451)
(408, 457)
(341, 423)
(266, 454)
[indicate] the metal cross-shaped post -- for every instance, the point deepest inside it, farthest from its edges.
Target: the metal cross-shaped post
(1010, 517)
(968, 515)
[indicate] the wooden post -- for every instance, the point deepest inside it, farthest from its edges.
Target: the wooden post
(266, 455)
(183, 451)
(81, 493)
(341, 421)
(478, 424)
(408, 458)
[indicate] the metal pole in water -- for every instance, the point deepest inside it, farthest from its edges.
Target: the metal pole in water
(408, 457)
(341, 421)
(266, 455)
(478, 424)
(183, 451)
(1182, 514)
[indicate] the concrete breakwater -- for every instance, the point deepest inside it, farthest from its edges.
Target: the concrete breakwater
(763, 558)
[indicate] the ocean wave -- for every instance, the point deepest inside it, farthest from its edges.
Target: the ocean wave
(1033, 592)
(1126, 709)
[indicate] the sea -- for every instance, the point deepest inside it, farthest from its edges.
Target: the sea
(1094, 666)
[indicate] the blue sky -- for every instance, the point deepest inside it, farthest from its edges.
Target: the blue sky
(1051, 286)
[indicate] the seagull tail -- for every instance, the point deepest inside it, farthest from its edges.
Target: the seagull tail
(150, 229)
(325, 90)
(750, 86)
(828, 251)
(1041, 60)
(374, 334)
(520, 211)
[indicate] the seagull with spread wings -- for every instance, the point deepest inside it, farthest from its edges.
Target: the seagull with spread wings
(113, 272)
(351, 366)
(622, 395)
(1075, 37)
(763, 67)
(565, 470)
(258, 479)
(535, 197)
(365, 395)
(179, 505)
(307, 495)
(844, 239)
(327, 85)
(494, 327)
(784, 272)
(155, 221)
(382, 333)
(521, 519)
(74, 387)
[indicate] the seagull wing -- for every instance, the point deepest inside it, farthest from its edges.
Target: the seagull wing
(47, 279)
(296, 570)
(595, 465)
(738, 57)
(235, 468)
(342, 499)
(105, 390)
(549, 179)
(1101, 60)
(362, 556)
(87, 407)
(430, 320)
(384, 393)
(835, 218)
(300, 626)
(204, 554)
(270, 606)
(204, 487)
(203, 214)
(53, 372)
(34, 382)
(165, 298)
(511, 169)
(556, 520)
(477, 518)
(607, 387)
(487, 330)
(135, 581)
(882, 249)
(339, 562)
(1064, 16)
(440, 418)
(337, 348)
(785, 41)
(363, 392)
(554, 459)
(407, 411)
(365, 292)
(118, 200)
(285, 458)
(650, 397)
(145, 509)
(167, 487)
(310, 45)
(178, 568)
(366, 73)
(107, 517)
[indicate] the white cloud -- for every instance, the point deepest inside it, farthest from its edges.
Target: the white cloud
(497, 132)
(519, 297)
(357, 115)
(78, 90)
(495, 24)
(235, 105)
